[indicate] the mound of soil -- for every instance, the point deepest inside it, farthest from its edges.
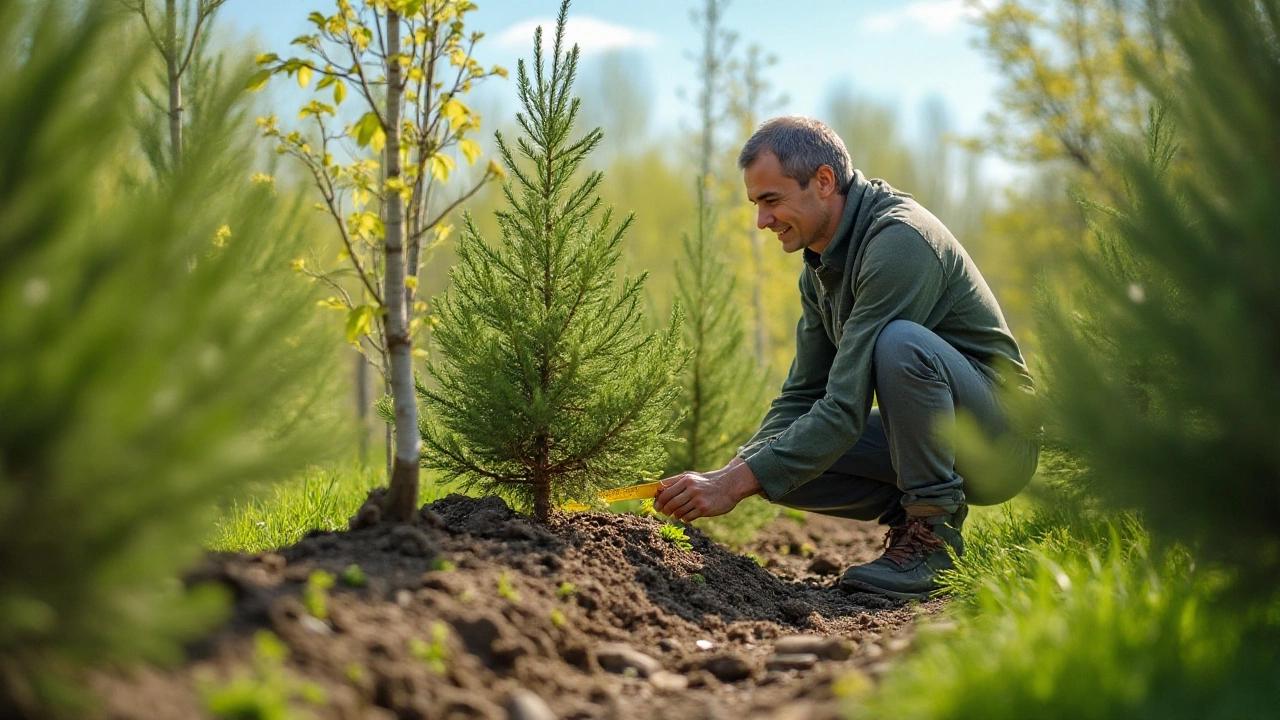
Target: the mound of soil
(474, 611)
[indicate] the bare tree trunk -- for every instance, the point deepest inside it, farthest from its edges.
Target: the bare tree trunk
(542, 499)
(388, 441)
(363, 403)
(402, 497)
(175, 80)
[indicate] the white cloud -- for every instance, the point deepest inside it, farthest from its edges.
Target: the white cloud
(591, 35)
(936, 17)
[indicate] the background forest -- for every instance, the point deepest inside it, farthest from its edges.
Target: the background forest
(215, 307)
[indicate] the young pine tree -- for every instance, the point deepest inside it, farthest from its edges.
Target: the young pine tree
(1177, 412)
(722, 396)
(548, 388)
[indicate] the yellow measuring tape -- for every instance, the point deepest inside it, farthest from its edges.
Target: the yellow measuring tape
(642, 491)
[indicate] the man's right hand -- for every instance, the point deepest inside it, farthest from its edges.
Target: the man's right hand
(691, 495)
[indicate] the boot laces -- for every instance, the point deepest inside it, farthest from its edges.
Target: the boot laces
(907, 542)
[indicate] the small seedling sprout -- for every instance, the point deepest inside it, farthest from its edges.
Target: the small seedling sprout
(558, 618)
(506, 590)
(565, 590)
(354, 577)
(435, 653)
(315, 596)
(675, 535)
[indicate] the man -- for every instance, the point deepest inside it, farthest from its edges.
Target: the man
(892, 305)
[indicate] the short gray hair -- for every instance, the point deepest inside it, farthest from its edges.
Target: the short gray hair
(802, 145)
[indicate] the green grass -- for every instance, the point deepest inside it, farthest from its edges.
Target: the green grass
(319, 499)
(1064, 612)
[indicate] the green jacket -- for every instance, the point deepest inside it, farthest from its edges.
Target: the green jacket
(890, 259)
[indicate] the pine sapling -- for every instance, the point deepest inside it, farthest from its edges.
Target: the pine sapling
(549, 388)
(723, 387)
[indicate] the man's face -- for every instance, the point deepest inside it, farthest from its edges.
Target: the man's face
(797, 215)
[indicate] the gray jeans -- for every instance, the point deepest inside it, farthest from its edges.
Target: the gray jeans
(905, 456)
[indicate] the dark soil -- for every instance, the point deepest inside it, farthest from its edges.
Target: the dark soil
(519, 606)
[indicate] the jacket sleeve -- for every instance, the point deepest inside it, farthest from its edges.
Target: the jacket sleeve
(901, 278)
(807, 380)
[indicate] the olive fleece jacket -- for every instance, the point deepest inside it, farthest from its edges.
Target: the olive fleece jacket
(890, 259)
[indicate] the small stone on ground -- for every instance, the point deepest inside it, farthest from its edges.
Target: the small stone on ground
(527, 705)
(793, 661)
(618, 657)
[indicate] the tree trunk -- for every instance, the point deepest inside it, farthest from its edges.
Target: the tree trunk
(402, 497)
(363, 403)
(175, 82)
(542, 500)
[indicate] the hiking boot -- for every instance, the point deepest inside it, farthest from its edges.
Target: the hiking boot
(914, 553)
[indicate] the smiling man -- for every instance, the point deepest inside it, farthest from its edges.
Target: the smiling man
(892, 306)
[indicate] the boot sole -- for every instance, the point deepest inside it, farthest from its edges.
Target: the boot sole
(859, 586)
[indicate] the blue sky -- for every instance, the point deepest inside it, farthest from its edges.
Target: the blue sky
(901, 52)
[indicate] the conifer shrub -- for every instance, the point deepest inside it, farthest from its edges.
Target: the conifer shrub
(1169, 386)
(1164, 385)
(722, 387)
(548, 387)
(151, 357)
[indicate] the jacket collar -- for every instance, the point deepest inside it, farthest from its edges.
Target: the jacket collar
(831, 263)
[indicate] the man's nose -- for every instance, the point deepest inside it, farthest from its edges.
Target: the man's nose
(763, 219)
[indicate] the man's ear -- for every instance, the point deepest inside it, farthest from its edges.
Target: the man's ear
(826, 179)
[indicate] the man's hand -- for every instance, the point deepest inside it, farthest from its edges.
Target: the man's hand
(690, 495)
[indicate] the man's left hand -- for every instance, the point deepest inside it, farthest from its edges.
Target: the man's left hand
(691, 495)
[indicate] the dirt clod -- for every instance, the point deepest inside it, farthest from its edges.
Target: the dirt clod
(370, 513)
(825, 565)
(727, 667)
(412, 541)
